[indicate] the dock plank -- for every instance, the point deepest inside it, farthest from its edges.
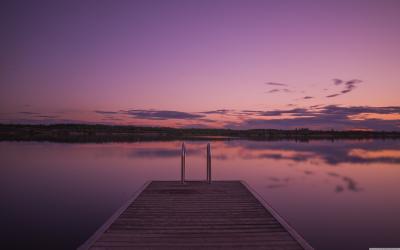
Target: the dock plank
(171, 215)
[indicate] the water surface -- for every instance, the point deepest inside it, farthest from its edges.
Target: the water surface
(338, 195)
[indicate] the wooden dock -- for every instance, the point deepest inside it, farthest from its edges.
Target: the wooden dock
(196, 215)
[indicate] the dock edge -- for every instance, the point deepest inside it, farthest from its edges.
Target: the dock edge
(279, 218)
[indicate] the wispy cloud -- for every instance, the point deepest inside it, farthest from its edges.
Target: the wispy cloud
(276, 90)
(102, 112)
(161, 114)
(337, 81)
(28, 113)
(314, 117)
(48, 116)
(152, 114)
(348, 86)
(273, 91)
(294, 112)
(325, 117)
(39, 115)
(218, 111)
(276, 84)
(333, 95)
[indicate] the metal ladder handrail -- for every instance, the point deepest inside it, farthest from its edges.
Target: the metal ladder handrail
(208, 163)
(183, 159)
(183, 163)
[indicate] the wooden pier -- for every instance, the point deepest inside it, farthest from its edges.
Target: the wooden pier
(196, 215)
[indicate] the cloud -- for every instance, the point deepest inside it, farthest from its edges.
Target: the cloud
(348, 86)
(313, 117)
(102, 112)
(325, 117)
(339, 189)
(273, 91)
(218, 111)
(152, 114)
(275, 84)
(48, 116)
(161, 114)
(47, 121)
(333, 95)
(276, 90)
(279, 87)
(29, 113)
(294, 112)
(361, 109)
(337, 81)
(38, 115)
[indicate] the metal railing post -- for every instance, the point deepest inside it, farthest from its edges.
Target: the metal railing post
(208, 163)
(183, 158)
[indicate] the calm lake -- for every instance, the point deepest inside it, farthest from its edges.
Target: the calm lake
(338, 195)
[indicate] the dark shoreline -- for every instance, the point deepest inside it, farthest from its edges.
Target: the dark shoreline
(106, 133)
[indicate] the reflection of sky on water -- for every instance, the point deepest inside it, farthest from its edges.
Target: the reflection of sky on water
(330, 152)
(331, 192)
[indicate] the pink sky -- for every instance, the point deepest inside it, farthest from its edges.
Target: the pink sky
(63, 60)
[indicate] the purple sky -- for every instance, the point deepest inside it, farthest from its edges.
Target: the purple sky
(175, 63)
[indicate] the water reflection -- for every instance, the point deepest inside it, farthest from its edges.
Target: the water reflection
(330, 153)
(349, 183)
(332, 193)
(366, 151)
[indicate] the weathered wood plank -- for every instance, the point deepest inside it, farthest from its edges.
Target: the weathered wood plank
(171, 215)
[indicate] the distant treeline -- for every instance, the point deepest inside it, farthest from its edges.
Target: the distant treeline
(108, 133)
